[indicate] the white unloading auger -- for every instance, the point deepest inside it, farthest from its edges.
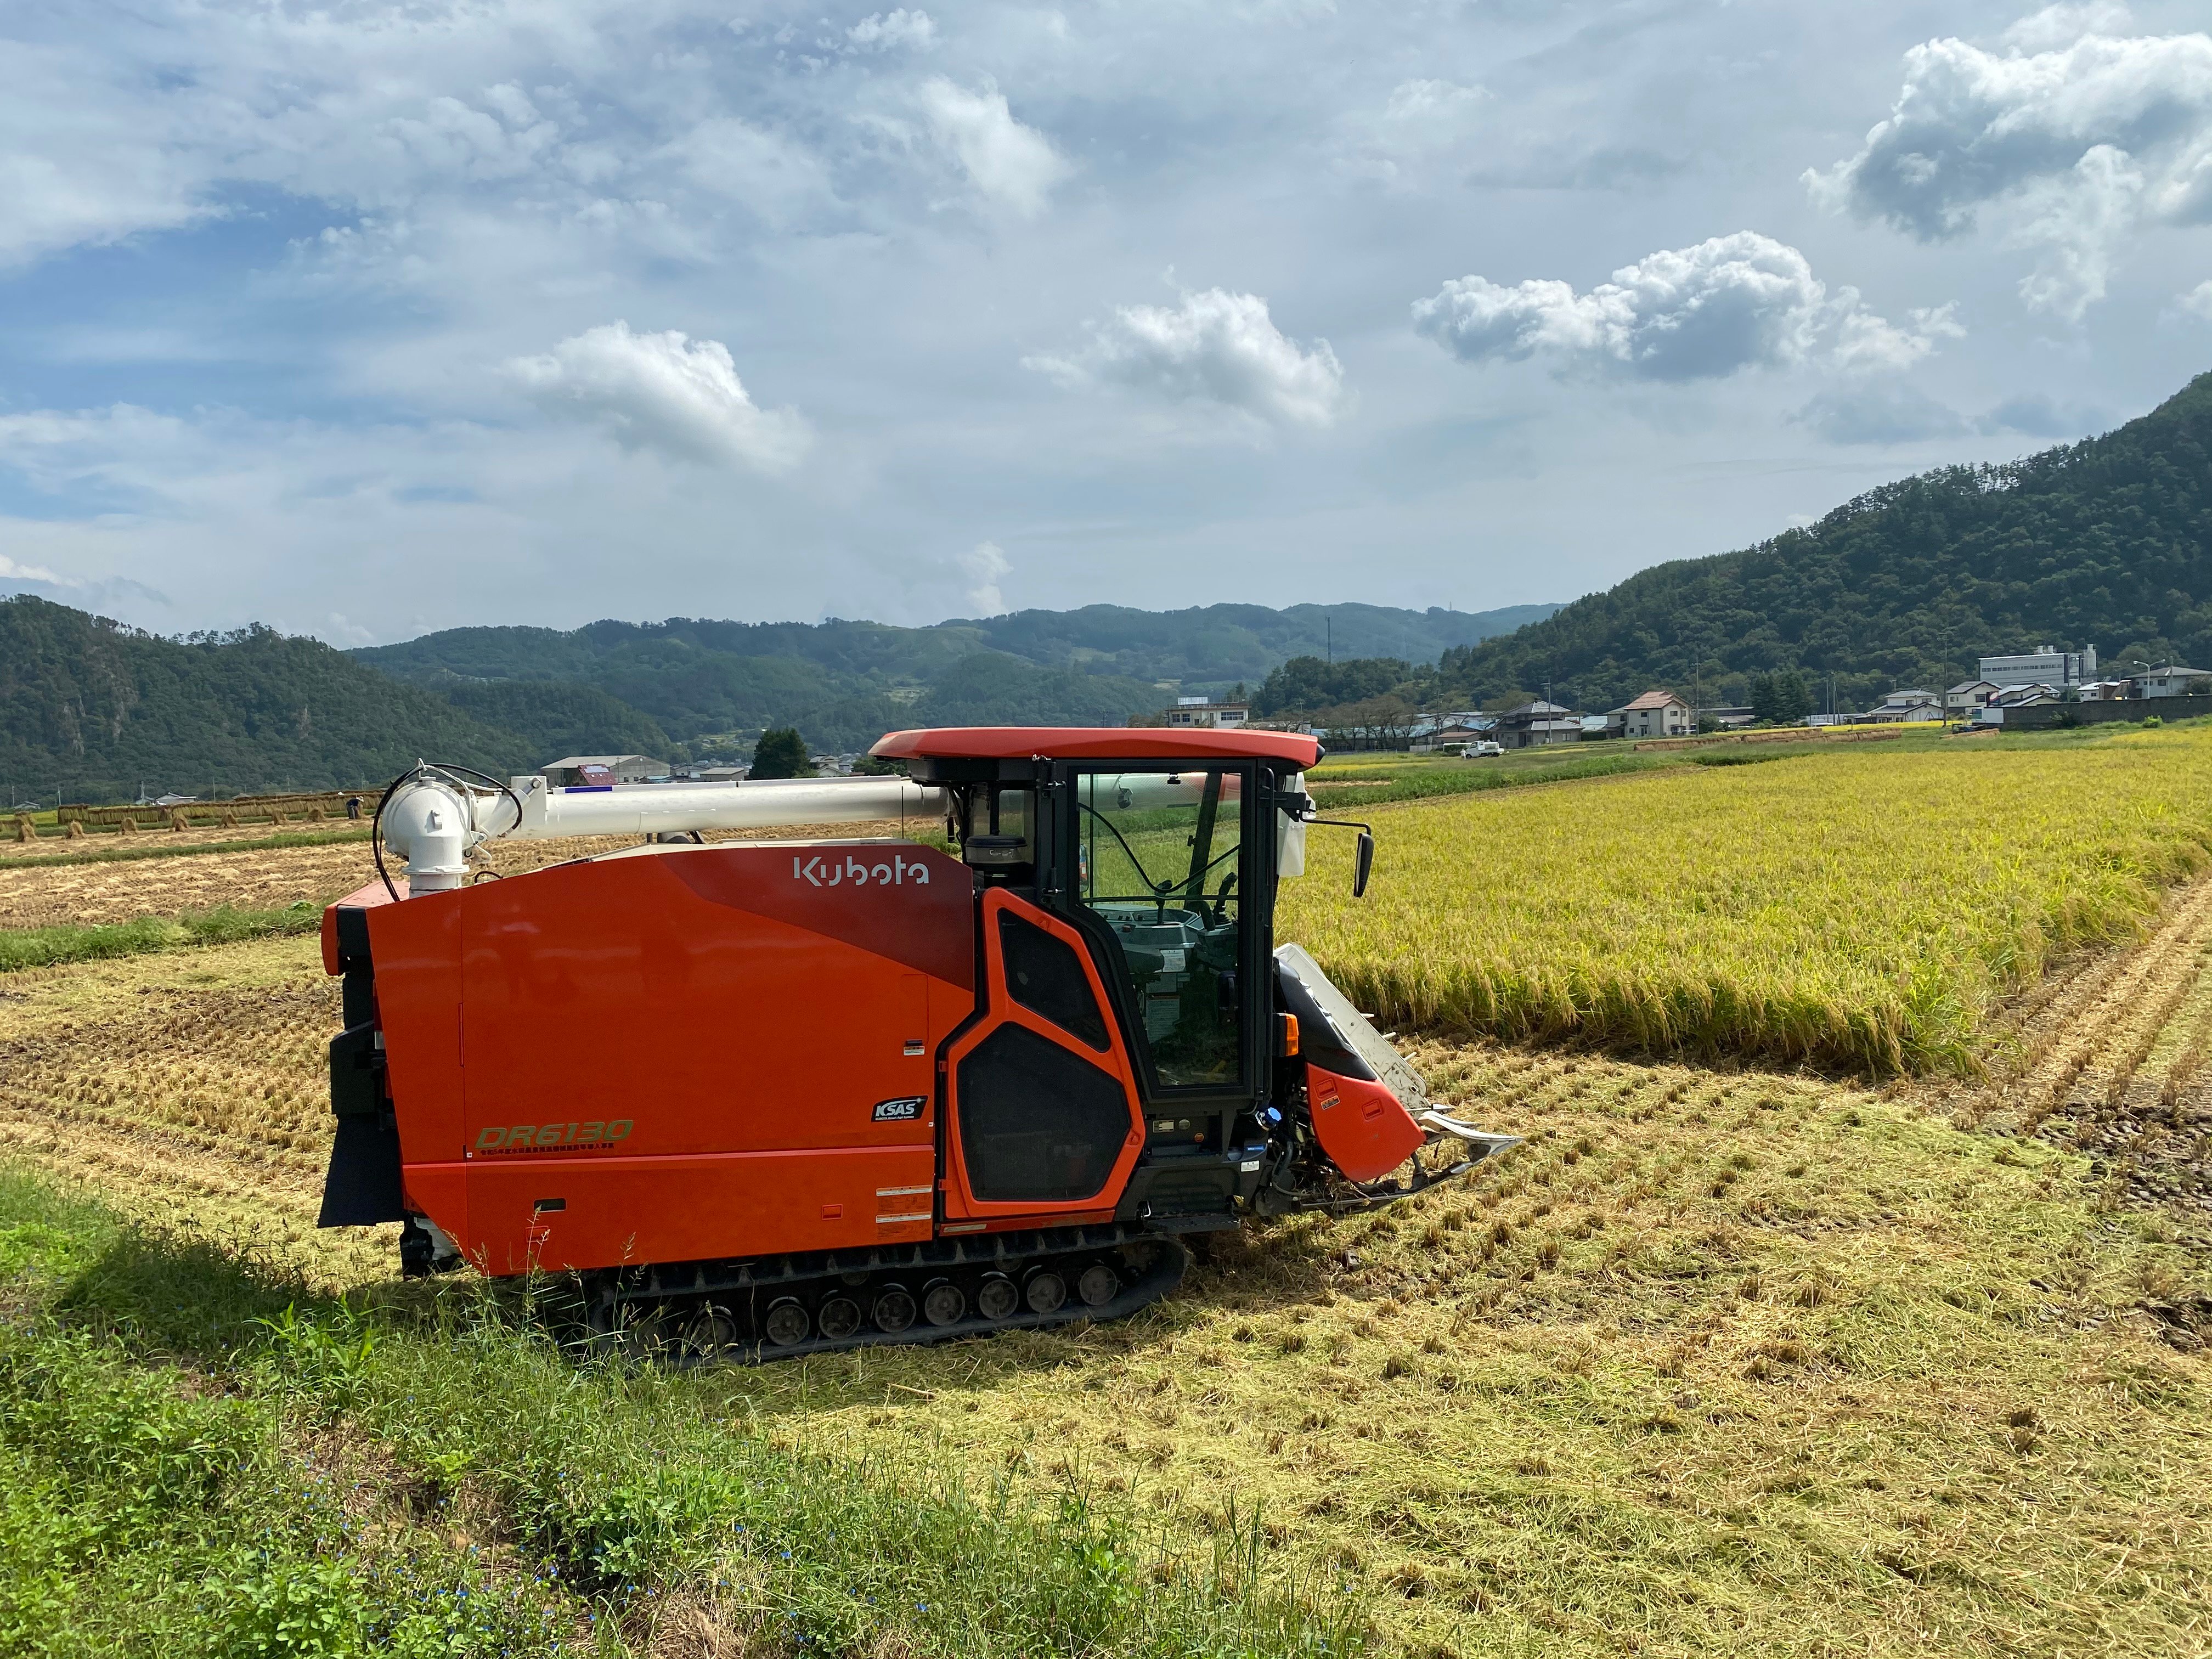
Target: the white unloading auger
(434, 816)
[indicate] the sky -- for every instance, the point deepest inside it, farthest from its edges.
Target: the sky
(363, 320)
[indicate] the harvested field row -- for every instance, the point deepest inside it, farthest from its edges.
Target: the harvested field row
(200, 1088)
(2114, 1064)
(91, 894)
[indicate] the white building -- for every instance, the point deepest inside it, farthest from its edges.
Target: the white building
(1202, 713)
(1901, 707)
(1656, 713)
(2046, 666)
(1968, 696)
(2168, 680)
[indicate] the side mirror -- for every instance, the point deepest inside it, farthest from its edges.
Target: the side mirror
(1362, 864)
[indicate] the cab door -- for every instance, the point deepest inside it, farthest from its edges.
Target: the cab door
(1042, 1122)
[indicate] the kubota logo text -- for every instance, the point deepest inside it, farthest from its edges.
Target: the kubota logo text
(828, 872)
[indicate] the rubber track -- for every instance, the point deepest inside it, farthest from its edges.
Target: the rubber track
(755, 1285)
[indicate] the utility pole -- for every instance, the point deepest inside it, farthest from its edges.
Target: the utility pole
(1328, 637)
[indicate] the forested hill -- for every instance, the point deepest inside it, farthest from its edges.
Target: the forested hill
(2106, 543)
(90, 709)
(843, 683)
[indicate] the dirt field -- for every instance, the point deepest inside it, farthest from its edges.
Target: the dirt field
(1718, 1361)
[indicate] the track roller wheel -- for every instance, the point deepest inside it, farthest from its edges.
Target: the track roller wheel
(786, 1323)
(893, 1310)
(1099, 1285)
(648, 1333)
(943, 1302)
(711, 1331)
(839, 1318)
(1045, 1291)
(996, 1297)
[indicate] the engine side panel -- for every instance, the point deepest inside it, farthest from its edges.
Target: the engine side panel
(663, 1061)
(615, 1210)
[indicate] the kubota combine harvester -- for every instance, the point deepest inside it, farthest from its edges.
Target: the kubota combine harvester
(772, 1097)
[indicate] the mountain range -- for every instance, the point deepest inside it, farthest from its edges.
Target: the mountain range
(93, 710)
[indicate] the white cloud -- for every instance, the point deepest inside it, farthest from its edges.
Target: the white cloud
(739, 161)
(2198, 300)
(886, 30)
(1010, 164)
(2074, 137)
(79, 166)
(1216, 347)
(1733, 302)
(2063, 25)
(985, 565)
(1421, 121)
(12, 572)
(662, 392)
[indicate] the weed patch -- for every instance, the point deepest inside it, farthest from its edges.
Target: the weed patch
(47, 947)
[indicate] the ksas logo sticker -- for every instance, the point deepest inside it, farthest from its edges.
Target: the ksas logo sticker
(899, 1111)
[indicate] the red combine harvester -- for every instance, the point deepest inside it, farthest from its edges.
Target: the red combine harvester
(772, 1097)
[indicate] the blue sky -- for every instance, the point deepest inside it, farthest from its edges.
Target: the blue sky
(366, 320)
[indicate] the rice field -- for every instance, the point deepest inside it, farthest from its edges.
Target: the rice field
(1863, 910)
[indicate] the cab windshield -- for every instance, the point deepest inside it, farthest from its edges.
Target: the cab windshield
(1157, 862)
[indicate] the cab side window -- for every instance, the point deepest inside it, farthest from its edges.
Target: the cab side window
(1158, 863)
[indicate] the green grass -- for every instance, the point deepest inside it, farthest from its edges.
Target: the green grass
(200, 1455)
(45, 947)
(123, 855)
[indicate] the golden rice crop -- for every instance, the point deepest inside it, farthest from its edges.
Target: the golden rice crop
(1860, 910)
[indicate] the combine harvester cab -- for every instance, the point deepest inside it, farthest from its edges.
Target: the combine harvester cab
(771, 1097)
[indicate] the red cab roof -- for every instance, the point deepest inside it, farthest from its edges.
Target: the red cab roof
(1096, 743)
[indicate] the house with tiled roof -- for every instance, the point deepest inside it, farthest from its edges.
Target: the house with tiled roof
(1656, 713)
